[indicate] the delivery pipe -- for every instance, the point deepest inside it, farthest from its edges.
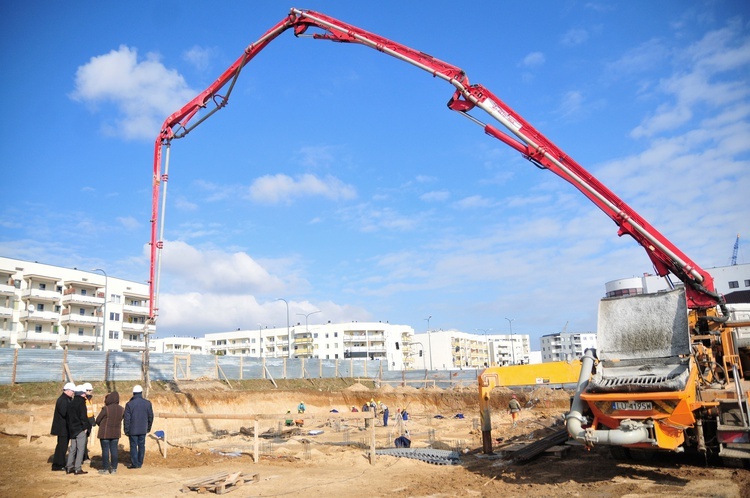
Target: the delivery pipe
(629, 432)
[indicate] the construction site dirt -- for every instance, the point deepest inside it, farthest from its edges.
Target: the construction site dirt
(329, 455)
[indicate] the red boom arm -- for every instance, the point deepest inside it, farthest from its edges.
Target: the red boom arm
(523, 137)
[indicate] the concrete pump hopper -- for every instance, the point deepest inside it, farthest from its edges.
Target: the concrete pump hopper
(641, 392)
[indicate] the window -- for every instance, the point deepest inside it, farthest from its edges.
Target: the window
(42, 286)
(81, 311)
(115, 317)
(114, 334)
(80, 330)
(734, 284)
(57, 308)
(335, 334)
(37, 328)
(40, 307)
(747, 283)
(83, 292)
(114, 298)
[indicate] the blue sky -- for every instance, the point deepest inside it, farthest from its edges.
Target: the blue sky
(337, 178)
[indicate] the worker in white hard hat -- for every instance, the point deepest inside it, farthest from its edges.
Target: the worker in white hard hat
(78, 426)
(91, 415)
(139, 416)
(301, 407)
(60, 426)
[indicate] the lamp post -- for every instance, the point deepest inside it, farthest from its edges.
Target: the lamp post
(104, 310)
(288, 333)
(307, 330)
(487, 344)
(260, 340)
(429, 340)
(512, 345)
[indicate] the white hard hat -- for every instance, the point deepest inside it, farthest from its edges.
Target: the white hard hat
(88, 387)
(137, 389)
(80, 389)
(69, 387)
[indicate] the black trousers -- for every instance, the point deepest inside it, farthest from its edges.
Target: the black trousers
(60, 449)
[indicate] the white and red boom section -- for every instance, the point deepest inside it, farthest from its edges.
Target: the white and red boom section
(520, 135)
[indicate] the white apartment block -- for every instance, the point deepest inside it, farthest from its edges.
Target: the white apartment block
(453, 350)
(731, 281)
(371, 340)
(566, 346)
(50, 307)
(179, 345)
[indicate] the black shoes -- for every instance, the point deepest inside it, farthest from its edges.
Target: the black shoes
(56, 468)
(80, 472)
(133, 467)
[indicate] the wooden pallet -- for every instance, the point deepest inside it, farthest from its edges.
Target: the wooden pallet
(219, 483)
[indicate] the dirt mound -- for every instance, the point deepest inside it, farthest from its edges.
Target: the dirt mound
(545, 393)
(357, 387)
(386, 388)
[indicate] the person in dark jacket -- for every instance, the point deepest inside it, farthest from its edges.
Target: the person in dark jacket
(78, 426)
(109, 421)
(60, 426)
(139, 415)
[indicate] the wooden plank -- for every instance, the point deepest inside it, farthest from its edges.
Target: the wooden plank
(15, 366)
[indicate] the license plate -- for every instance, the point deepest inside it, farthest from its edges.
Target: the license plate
(632, 405)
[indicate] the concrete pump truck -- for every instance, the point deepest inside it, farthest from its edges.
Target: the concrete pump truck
(668, 374)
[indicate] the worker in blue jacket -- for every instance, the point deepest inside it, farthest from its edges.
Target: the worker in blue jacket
(139, 415)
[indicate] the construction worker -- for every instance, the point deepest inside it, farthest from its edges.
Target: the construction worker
(301, 407)
(515, 407)
(384, 410)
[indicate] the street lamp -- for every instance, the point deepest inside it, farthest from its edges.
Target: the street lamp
(104, 310)
(512, 345)
(306, 315)
(429, 340)
(487, 344)
(307, 330)
(288, 333)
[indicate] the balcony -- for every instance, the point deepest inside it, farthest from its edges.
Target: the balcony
(7, 290)
(138, 327)
(27, 337)
(75, 341)
(6, 312)
(78, 319)
(129, 345)
(130, 309)
(41, 295)
(355, 337)
(40, 316)
(71, 298)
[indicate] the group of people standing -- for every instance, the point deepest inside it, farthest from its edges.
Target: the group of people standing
(74, 418)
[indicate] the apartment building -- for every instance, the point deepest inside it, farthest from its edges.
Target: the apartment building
(371, 340)
(179, 345)
(453, 349)
(566, 346)
(51, 307)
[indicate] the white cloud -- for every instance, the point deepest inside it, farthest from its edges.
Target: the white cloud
(571, 104)
(714, 73)
(283, 189)
(473, 202)
(200, 57)
(575, 36)
(533, 59)
(143, 92)
(435, 196)
(216, 271)
(129, 222)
